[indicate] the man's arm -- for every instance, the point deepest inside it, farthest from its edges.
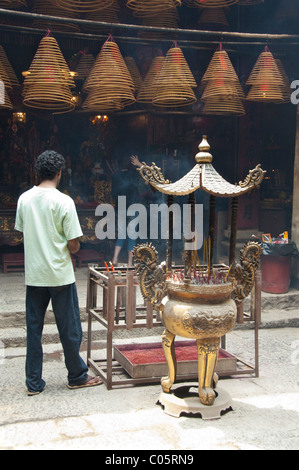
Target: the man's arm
(74, 246)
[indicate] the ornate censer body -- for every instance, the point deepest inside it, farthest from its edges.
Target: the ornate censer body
(201, 311)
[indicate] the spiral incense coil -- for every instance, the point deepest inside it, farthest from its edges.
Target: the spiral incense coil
(85, 65)
(175, 57)
(104, 101)
(84, 6)
(12, 4)
(211, 3)
(49, 65)
(8, 69)
(52, 97)
(265, 66)
(220, 67)
(134, 72)
(148, 89)
(250, 2)
(149, 8)
(109, 14)
(217, 106)
(50, 8)
(213, 16)
(109, 68)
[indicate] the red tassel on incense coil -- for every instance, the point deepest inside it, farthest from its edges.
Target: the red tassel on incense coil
(266, 80)
(175, 81)
(109, 84)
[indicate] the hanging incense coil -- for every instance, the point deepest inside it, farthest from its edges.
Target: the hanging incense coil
(134, 72)
(84, 66)
(49, 64)
(250, 2)
(109, 69)
(49, 79)
(224, 107)
(12, 4)
(84, 6)
(109, 14)
(219, 67)
(211, 3)
(8, 69)
(109, 82)
(213, 17)
(150, 8)
(50, 8)
(265, 80)
(175, 81)
(148, 89)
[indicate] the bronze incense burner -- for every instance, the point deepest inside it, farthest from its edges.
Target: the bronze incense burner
(198, 302)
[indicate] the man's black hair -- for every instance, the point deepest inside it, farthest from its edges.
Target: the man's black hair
(48, 164)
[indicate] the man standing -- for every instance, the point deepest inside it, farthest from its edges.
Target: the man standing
(50, 225)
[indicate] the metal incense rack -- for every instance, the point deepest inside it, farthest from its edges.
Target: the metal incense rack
(115, 369)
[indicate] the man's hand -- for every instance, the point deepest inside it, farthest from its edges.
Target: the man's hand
(74, 246)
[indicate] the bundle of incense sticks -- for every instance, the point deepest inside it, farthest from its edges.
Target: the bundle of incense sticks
(201, 276)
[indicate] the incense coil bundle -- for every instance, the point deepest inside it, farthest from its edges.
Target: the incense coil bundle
(109, 82)
(84, 66)
(266, 80)
(220, 67)
(50, 7)
(150, 8)
(84, 6)
(134, 72)
(48, 81)
(210, 3)
(109, 69)
(8, 69)
(175, 81)
(250, 2)
(12, 4)
(148, 89)
(224, 107)
(109, 14)
(213, 16)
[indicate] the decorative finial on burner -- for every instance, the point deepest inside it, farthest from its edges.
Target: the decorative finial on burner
(204, 155)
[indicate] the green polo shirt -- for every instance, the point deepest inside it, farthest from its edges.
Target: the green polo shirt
(48, 219)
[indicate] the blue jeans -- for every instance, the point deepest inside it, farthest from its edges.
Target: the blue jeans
(67, 315)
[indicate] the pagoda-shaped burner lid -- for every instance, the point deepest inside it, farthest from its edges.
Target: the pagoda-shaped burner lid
(202, 176)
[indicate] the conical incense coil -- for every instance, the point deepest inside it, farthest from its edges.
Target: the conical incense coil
(50, 8)
(222, 89)
(12, 4)
(49, 65)
(217, 106)
(8, 69)
(108, 100)
(211, 3)
(175, 58)
(85, 65)
(213, 16)
(109, 14)
(84, 6)
(265, 65)
(50, 97)
(220, 67)
(109, 69)
(134, 72)
(143, 8)
(250, 2)
(148, 89)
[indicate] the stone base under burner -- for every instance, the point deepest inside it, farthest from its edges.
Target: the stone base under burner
(183, 398)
